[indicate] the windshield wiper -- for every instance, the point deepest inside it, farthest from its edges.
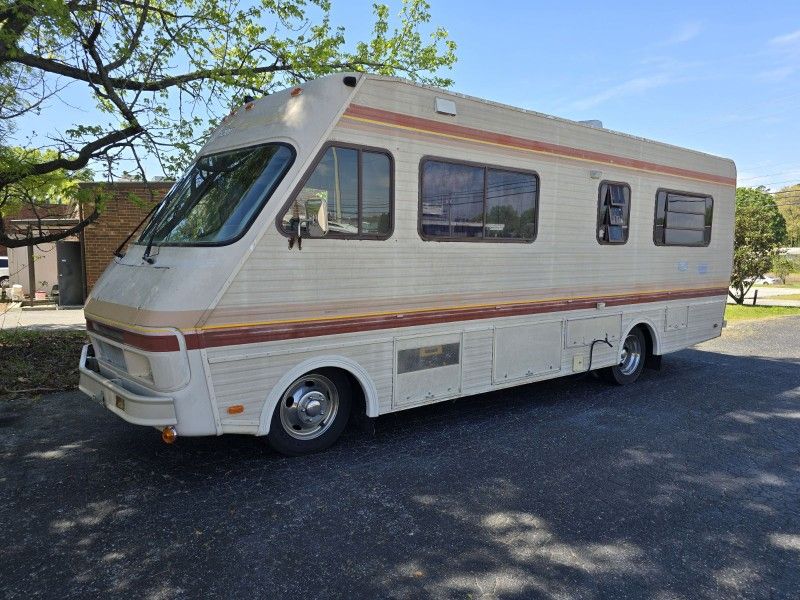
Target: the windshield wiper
(146, 256)
(118, 252)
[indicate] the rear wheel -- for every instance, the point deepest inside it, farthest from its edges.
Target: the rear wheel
(631, 359)
(311, 414)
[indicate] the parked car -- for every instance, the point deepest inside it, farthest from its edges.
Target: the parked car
(767, 280)
(4, 272)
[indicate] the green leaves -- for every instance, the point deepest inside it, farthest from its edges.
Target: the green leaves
(759, 229)
(55, 187)
(788, 201)
(157, 74)
(170, 62)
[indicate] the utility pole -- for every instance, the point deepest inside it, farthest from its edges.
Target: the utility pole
(31, 269)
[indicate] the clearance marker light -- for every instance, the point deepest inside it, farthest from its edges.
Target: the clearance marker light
(169, 435)
(296, 92)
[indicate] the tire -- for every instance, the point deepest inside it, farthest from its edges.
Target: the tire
(632, 359)
(311, 414)
(5, 282)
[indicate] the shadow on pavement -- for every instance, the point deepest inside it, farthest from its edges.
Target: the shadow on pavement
(683, 485)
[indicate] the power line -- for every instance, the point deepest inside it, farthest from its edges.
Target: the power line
(790, 171)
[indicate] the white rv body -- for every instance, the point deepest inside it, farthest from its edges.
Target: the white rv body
(212, 350)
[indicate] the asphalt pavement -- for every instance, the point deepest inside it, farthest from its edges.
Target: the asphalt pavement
(684, 485)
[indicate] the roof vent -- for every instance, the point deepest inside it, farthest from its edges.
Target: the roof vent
(593, 123)
(444, 106)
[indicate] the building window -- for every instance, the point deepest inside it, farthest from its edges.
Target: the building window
(613, 212)
(468, 202)
(682, 219)
(357, 185)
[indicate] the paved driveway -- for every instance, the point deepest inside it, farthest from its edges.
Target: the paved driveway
(686, 485)
(13, 315)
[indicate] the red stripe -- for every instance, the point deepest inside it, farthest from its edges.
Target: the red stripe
(393, 118)
(150, 343)
(288, 331)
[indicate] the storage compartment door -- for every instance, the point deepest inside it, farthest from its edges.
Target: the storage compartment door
(524, 351)
(677, 318)
(582, 332)
(426, 368)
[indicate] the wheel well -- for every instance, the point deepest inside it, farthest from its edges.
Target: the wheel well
(364, 400)
(648, 337)
(358, 407)
(358, 404)
(652, 360)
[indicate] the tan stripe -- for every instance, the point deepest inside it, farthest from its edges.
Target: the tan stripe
(236, 334)
(417, 124)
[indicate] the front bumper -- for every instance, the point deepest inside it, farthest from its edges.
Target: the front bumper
(157, 411)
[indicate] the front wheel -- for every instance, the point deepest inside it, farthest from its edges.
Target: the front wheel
(631, 360)
(311, 414)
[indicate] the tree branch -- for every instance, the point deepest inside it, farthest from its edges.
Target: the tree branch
(125, 83)
(32, 240)
(15, 20)
(72, 164)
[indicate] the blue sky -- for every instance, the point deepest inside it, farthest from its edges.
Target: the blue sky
(722, 77)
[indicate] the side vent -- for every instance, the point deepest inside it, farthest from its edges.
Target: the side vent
(444, 106)
(350, 81)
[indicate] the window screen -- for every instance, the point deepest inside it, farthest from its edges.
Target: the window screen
(476, 202)
(682, 219)
(613, 212)
(357, 186)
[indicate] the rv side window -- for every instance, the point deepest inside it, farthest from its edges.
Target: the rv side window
(613, 212)
(467, 202)
(682, 219)
(356, 183)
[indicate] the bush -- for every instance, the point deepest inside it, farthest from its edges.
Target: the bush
(37, 361)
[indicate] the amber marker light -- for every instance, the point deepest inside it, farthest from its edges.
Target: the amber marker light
(235, 409)
(169, 435)
(296, 91)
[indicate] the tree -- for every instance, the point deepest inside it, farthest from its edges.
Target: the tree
(758, 230)
(160, 73)
(783, 266)
(788, 201)
(38, 193)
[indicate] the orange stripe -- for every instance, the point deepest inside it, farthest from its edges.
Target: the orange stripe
(269, 332)
(385, 117)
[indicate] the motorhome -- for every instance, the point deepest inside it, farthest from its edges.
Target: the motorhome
(365, 244)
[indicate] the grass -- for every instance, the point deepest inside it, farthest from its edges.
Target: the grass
(34, 362)
(735, 312)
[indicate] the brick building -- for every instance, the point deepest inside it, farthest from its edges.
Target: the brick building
(126, 205)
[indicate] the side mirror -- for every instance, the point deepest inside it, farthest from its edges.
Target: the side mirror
(317, 217)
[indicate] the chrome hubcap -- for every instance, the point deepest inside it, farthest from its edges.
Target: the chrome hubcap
(309, 407)
(630, 356)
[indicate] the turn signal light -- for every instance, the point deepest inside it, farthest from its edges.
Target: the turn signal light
(235, 409)
(169, 435)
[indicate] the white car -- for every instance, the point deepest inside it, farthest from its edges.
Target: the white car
(4, 272)
(767, 280)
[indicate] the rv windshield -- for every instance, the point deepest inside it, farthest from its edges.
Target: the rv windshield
(219, 197)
